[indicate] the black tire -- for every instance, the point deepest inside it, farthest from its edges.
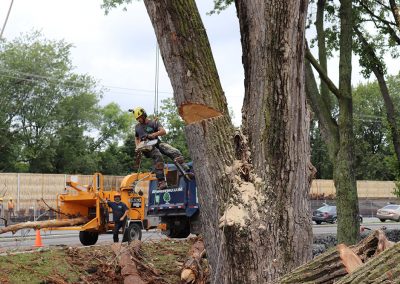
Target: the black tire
(178, 232)
(318, 222)
(361, 219)
(133, 232)
(382, 220)
(334, 220)
(88, 238)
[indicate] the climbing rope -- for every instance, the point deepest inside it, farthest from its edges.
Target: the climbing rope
(5, 22)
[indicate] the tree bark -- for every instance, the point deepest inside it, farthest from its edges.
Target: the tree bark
(129, 270)
(44, 224)
(337, 262)
(276, 122)
(319, 24)
(344, 177)
(253, 188)
(326, 268)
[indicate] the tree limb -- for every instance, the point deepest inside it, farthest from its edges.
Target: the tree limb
(329, 126)
(44, 224)
(388, 24)
(396, 13)
(322, 73)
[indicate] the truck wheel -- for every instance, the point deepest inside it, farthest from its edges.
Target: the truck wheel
(133, 232)
(179, 232)
(88, 238)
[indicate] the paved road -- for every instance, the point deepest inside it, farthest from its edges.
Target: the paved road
(372, 223)
(26, 238)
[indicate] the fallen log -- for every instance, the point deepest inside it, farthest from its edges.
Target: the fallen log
(325, 268)
(129, 270)
(383, 268)
(44, 224)
(192, 271)
(338, 262)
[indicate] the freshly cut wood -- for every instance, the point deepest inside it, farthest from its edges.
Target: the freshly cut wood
(383, 268)
(349, 259)
(383, 242)
(44, 224)
(338, 262)
(192, 271)
(129, 269)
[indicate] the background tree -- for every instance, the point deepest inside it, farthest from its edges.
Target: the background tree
(336, 120)
(252, 189)
(175, 126)
(375, 158)
(382, 18)
(50, 117)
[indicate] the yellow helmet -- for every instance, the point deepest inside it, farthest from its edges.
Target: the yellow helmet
(138, 112)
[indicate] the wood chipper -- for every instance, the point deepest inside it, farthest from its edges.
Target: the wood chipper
(89, 202)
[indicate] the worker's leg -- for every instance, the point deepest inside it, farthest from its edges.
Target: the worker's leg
(173, 153)
(158, 163)
(117, 226)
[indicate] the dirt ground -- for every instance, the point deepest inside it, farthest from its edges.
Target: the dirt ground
(94, 264)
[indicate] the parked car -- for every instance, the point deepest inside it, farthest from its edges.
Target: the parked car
(389, 212)
(327, 213)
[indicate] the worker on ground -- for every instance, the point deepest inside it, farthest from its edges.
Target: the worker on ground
(120, 211)
(148, 129)
(10, 207)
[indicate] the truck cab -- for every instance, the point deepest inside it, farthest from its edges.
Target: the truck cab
(177, 206)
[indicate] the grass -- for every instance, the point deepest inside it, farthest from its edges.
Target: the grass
(167, 257)
(35, 267)
(71, 264)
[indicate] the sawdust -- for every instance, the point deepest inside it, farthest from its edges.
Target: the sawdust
(246, 196)
(234, 215)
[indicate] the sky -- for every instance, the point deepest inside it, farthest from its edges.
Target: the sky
(119, 49)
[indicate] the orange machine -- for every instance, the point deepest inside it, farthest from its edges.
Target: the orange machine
(89, 201)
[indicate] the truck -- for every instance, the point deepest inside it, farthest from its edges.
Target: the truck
(174, 210)
(177, 206)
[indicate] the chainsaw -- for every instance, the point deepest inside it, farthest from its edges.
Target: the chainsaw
(144, 146)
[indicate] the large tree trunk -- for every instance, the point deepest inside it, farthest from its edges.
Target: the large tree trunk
(276, 120)
(253, 192)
